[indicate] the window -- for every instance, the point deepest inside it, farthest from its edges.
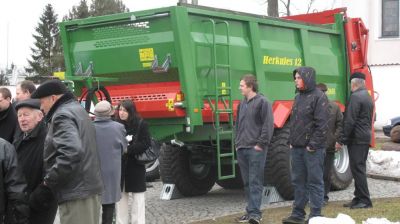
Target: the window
(390, 18)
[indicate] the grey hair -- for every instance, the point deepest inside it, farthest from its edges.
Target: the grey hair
(358, 82)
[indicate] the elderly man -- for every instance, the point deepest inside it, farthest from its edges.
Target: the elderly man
(357, 126)
(8, 117)
(71, 163)
(29, 143)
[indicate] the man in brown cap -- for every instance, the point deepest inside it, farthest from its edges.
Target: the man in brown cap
(71, 162)
(357, 126)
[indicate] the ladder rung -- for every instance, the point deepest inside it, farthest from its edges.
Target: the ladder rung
(226, 177)
(226, 87)
(229, 154)
(226, 111)
(225, 132)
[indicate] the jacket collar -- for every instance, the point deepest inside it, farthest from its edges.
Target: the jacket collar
(63, 99)
(4, 113)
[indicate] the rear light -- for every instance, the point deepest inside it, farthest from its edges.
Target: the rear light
(179, 97)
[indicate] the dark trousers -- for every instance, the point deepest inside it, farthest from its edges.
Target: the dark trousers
(44, 217)
(108, 213)
(307, 179)
(251, 163)
(358, 156)
(328, 163)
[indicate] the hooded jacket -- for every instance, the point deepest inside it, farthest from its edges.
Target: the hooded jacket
(254, 123)
(310, 113)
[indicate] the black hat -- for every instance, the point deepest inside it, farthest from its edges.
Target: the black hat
(48, 88)
(358, 75)
(32, 103)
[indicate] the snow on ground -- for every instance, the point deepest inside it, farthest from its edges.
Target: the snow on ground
(385, 163)
(345, 219)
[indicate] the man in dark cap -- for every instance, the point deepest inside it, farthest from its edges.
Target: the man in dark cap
(332, 140)
(8, 117)
(71, 162)
(357, 126)
(29, 143)
(308, 130)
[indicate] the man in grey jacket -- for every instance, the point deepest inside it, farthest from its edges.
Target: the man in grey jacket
(71, 163)
(254, 129)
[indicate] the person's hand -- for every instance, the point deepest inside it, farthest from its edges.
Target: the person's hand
(309, 149)
(338, 146)
(41, 198)
(258, 148)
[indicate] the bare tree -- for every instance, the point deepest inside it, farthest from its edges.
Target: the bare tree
(309, 5)
(272, 8)
(287, 7)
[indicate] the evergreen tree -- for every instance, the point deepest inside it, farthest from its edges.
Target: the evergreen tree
(47, 49)
(106, 7)
(78, 12)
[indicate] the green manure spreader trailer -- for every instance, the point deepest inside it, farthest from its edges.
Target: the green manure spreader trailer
(181, 65)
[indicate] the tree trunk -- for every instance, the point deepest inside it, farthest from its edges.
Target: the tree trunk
(273, 8)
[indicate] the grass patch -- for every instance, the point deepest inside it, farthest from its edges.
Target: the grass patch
(383, 208)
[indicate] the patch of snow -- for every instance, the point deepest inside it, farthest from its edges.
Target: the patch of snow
(341, 218)
(385, 163)
(379, 221)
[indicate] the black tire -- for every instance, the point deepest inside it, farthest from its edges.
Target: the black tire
(278, 167)
(341, 176)
(153, 171)
(189, 178)
(232, 183)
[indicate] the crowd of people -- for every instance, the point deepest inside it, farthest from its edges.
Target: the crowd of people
(54, 156)
(317, 130)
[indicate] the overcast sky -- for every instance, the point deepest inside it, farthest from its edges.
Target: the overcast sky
(18, 19)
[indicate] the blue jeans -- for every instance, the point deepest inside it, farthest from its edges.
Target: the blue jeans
(251, 163)
(308, 181)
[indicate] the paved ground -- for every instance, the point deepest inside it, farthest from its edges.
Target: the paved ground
(220, 202)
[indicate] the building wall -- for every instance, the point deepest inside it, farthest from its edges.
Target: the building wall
(383, 58)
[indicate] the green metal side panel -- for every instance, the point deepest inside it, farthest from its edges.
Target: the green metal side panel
(121, 46)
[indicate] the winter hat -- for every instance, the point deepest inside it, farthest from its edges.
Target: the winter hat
(358, 75)
(48, 88)
(103, 109)
(31, 103)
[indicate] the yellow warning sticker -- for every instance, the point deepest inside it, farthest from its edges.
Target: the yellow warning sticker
(170, 105)
(146, 64)
(146, 54)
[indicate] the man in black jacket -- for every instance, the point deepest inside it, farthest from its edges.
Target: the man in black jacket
(357, 136)
(308, 129)
(29, 143)
(14, 208)
(8, 116)
(332, 140)
(254, 130)
(71, 163)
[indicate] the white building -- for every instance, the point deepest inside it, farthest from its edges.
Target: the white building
(382, 19)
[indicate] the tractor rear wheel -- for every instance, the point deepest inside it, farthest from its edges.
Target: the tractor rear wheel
(191, 178)
(341, 176)
(278, 167)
